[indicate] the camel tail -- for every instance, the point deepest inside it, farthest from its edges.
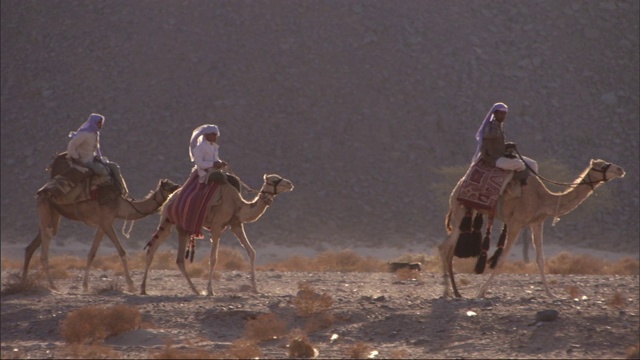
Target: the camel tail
(447, 223)
(493, 260)
(155, 237)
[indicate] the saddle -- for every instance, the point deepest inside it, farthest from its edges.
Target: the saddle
(483, 185)
(71, 182)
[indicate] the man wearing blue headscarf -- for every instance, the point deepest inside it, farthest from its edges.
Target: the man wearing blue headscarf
(494, 151)
(203, 150)
(84, 148)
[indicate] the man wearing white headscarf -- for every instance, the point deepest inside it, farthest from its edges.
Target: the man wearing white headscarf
(84, 148)
(494, 151)
(203, 150)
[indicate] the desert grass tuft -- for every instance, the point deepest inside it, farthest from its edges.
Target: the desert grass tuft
(574, 292)
(92, 324)
(617, 301)
(565, 263)
(13, 284)
(308, 302)
(633, 352)
(300, 346)
(359, 350)
(345, 260)
(265, 327)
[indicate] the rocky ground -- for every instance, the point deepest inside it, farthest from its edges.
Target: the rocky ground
(385, 316)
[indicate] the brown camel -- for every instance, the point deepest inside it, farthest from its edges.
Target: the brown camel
(227, 210)
(535, 205)
(100, 215)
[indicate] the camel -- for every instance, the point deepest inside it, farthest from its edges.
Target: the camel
(228, 209)
(100, 215)
(535, 205)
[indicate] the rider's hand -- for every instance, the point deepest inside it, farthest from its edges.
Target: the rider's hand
(510, 145)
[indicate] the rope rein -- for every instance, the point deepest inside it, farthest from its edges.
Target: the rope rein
(574, 184)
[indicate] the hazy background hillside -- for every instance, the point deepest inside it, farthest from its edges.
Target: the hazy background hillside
(369, 107)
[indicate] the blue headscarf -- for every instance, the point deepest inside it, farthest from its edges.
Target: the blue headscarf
(198, 132)
(480, 132)
(91, 126)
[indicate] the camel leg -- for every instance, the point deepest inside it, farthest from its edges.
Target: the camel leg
(28, 253)
(447, 249)
(238, 230)
(97, 239)
(48, 220)
(111, 233)
(183, 238)
(513, 233)
(213, 258)
(158, 238)
(536, 233)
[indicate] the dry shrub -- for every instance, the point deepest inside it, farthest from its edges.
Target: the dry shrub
(300, 346)
(308, 302)
(7, 264)
(265, 327)
(13, 284)
(95, 323)
(319, 321)
(399, 354)
(359, 350)
(565, 263)
(293, 263)
(624, 266)
(574, 292)
(244, 349)
(406, 274)
(93, 351)
(633, 352)
(348, 260)
(617, 300)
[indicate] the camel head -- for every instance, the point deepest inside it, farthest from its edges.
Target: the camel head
(602, 171)
(275, 185)
(167, 187)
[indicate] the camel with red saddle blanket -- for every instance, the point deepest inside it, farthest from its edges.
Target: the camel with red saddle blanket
(528, 206)
(224, 208)
(68, 194)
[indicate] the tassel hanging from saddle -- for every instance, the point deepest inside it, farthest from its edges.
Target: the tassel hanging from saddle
(191, 249)
(469, 241)
(493, 260)
(486, 242)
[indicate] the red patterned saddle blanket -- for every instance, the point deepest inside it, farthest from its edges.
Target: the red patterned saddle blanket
(482, 186)
(190, 207)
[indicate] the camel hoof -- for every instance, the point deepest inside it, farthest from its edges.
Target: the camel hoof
(143, 292)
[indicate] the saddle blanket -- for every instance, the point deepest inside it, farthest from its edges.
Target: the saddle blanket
(189, 209)
(482, 186)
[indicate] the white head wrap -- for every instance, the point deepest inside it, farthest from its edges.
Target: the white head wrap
(479, 134)
(198, 132)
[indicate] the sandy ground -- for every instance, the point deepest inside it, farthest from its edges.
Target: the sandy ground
(408, 319)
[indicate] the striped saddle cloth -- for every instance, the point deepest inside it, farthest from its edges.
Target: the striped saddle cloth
(189, 209)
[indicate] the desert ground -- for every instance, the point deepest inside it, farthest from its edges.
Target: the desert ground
(367, 314)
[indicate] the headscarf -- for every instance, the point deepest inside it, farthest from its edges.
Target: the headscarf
(198, 132)
(91, 126)
(480, 133)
